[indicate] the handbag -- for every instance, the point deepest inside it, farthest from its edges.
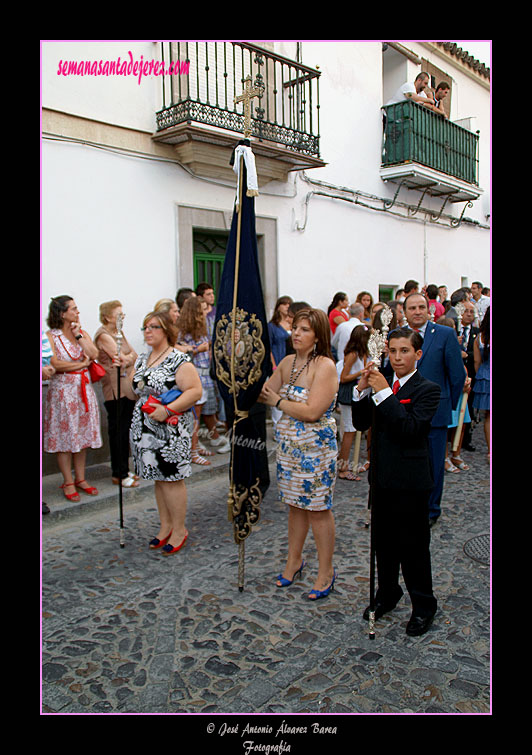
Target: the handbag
(96, 371)
(345, 393)
(166, 398)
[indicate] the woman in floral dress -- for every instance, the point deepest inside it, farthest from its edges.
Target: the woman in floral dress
(304, 387)
(71, 422)
(161, 451)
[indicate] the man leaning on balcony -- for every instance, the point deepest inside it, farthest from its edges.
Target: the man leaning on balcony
(436, 99)
(415, 91)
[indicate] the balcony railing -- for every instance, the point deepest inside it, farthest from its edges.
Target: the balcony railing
(211, 74)
(413, 133)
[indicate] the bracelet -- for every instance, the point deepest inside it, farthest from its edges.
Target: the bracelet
(277, 404)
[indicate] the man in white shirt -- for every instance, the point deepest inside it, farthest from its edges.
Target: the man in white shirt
(415, 91)
(482, 302)
(344, 330)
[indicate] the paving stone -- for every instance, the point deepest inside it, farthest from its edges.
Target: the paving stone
(127, 630)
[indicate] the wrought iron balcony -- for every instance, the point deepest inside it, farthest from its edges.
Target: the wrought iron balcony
(210, 75)
(414, 135)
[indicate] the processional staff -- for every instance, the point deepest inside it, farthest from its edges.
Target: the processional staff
(119, 337)
(376, 346)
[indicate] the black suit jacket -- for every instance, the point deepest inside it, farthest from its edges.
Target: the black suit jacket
(400, 425)
(469, 361)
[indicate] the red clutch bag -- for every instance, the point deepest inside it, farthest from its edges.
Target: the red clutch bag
(149, 406)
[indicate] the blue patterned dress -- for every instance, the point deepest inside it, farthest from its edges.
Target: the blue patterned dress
(306, 456)
(481, 387)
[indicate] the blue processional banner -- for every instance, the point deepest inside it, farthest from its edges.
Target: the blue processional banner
(241, 352)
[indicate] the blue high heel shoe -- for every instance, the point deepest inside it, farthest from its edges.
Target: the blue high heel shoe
(317, 594)
(285, 582)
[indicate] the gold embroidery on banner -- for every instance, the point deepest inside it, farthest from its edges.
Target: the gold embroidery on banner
(244, 520)
(248, 348)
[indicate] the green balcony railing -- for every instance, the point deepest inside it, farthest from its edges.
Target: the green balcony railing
(415, 134)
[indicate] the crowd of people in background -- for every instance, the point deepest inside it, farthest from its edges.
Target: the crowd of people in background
(193, 312)
(321, 379)
(71, 361)
(350, 327)
(68, 352)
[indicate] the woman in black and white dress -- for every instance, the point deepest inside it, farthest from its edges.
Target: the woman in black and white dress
(161, 451)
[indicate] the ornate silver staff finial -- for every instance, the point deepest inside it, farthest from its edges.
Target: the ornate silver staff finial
(386, 318)
(376, 344)
(377, 340)
(460, 309)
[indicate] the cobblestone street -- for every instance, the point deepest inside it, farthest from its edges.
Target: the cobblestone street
(127, 630)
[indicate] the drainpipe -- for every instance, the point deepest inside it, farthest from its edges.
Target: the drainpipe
(425, 253)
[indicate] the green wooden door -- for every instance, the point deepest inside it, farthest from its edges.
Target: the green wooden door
(209, 252)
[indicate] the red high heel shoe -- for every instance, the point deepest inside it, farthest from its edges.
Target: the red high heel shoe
(89, 490)
(169, 548)
(156, 543)
(70, 496)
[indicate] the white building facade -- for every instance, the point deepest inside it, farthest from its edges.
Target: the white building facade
(133, 209)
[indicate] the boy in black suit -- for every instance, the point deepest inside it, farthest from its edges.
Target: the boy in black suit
(400, 476)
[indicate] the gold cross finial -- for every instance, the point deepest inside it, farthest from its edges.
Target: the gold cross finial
(246, 97)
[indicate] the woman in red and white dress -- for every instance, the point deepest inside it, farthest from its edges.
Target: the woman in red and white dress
(71, 414)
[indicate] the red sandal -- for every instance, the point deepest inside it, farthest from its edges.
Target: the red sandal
(89, 490)
(70, 496)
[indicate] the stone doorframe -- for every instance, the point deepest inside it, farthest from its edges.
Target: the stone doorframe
(190, 218)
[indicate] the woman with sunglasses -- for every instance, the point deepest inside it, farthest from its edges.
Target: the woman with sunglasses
(161, 450)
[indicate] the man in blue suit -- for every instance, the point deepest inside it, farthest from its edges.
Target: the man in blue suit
(441, 363)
